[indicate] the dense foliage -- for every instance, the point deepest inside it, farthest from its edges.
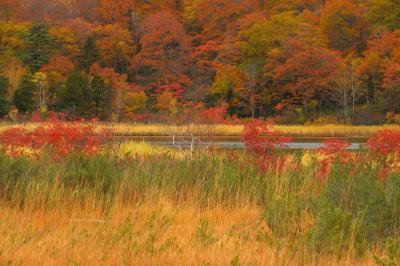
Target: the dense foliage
(294, 60)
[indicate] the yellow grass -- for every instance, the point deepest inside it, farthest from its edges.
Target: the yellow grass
(236, 130)
(155, 232)
(146, 149)
(333, 130)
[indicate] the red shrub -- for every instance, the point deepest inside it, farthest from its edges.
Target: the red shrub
(385, 143)
(214, 115)
(334, 146)
(333, 149)
(261, 141)
(62, 138)
(382, 145)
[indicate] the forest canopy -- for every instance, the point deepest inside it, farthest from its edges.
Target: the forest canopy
(296, 60)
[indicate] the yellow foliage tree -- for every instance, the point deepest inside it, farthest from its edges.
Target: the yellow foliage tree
(166, 102)
(134, 102)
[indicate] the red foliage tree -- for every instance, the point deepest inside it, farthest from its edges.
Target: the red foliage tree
(164, 54)
(261, 141)
(217, 17)
(305, 72)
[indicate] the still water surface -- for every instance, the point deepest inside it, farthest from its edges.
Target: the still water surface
(234, 142)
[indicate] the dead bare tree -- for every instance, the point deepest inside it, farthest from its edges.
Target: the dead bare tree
(190, 132)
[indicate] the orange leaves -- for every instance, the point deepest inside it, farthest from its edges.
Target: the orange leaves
(392, 77)
(340, 22)
(305, 70)
(112, 11)
(59, 64)
(115, 45)
(165, 50)
(220, 16)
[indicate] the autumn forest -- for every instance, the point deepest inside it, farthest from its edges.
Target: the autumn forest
(297, 61)
(200, 132)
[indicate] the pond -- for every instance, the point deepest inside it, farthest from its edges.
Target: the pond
(234, 142)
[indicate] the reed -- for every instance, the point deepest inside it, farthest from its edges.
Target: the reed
(155, 207)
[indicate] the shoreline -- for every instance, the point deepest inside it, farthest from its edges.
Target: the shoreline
(234, 131)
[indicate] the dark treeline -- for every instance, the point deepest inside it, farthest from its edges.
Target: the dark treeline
(296, 60)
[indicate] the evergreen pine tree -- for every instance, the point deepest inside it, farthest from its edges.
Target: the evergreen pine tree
(75, 98)
(105, 112)
(98, 94)
(90, 53)
(38, 45)
(4, 104)
(24, 96)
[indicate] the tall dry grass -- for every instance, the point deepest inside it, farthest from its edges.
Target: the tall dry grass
(156, 208)
(154, 232)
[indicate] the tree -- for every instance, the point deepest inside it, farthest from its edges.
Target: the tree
(4, 103)
(135, 101)
(305, 73)
(121, 11)
(166, 102)
(391, 83)
(6, 9)
(384, 14)
(116, 85)
(217, 17)
(10, 42)
(57, 70)
(74, 97)
(37, 46)
(164, 55)
(347, 84)
(90, 53)
(112, 11)
(14, 70)
(40, 80)
(263, 47)
(273, 7)
(381, 51)
(64, 40)
(340, 22)
(115, 46)
(262, 39)
(24, 96)
(252, 72)
(101, 96)
(226, 88)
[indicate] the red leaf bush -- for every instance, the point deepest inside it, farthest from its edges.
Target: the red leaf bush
(332, 149)
(334, 146)
(385, 143)
(385, 148)
(262, 141)
(62, 138)
(214, 115)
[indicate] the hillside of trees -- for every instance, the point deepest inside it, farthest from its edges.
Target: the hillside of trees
(131, 60)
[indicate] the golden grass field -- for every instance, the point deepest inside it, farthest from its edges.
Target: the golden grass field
(236, 130)
(154, 232)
